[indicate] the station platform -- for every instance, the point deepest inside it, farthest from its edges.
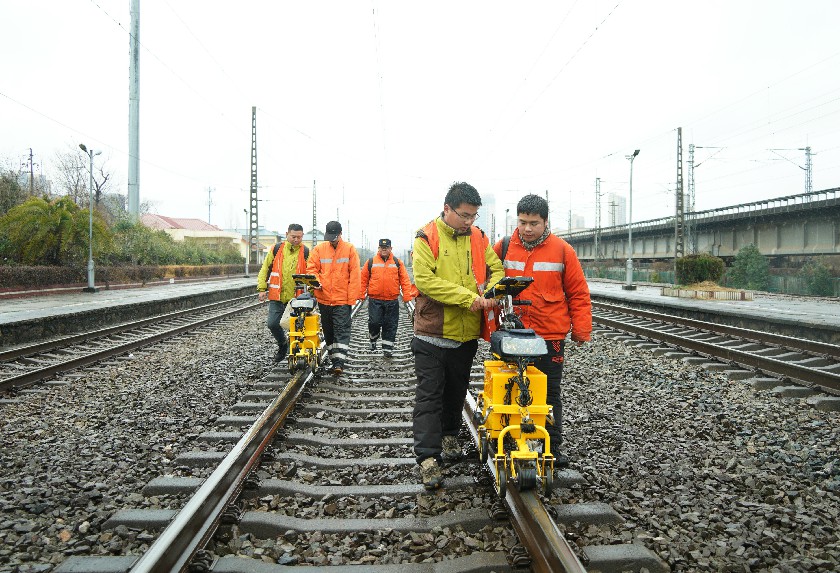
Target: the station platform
(35, 315)
(812, 319)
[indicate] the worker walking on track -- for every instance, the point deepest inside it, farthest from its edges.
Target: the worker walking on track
(559, 298)
(275, 282)
(453, 265)
(383, 276)
(335, 263)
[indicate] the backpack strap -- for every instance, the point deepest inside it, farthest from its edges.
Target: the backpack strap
(277, 248)
(505, 245)
(370, 264)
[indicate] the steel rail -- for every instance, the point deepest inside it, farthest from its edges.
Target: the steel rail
(196, 522)
(193, 526)
(811, 346)
(81, 361)
(764, 363)
(39, 347)
(546, 545)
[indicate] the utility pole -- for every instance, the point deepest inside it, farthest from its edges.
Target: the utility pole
(807, 169)
(209, 202)
(31, 165)
(134, 112)
(570, 210)
(679, 219)
(253, 224)
(314, 215)
(597, 215)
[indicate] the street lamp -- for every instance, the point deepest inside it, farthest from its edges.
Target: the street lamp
(90, 287)
(630, 285)
(247, 247)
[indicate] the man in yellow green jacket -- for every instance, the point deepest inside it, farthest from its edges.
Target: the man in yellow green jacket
(454, 264)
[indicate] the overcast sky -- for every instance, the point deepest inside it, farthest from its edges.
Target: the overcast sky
(384, 104)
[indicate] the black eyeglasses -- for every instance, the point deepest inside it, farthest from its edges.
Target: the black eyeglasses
(465, 217)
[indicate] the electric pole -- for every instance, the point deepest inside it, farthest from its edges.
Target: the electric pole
(30, 162)
(253, 224)
(314, 216)
(597, 215)
(679, 219)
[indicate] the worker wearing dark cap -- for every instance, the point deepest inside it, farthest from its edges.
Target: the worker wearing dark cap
(383, 275)
(335, 263)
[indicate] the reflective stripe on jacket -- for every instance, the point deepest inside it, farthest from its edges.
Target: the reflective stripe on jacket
(559, 294)
(385, 279)
(278, 289)
(450, 272)
(337, 269)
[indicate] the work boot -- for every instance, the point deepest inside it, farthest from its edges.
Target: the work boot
(280, 356)
(431, 474)
(337, 367)
(373, 346)
(561, 460)
(451, 449)
(387, 354)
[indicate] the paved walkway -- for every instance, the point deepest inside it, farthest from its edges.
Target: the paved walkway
(44, 305)
(767, 306)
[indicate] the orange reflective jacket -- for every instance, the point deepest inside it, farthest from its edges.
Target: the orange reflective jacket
(382, 279)
(559, 294)
(337, 269)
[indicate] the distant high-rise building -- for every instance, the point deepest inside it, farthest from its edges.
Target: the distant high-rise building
(616, 209)
(485, 215)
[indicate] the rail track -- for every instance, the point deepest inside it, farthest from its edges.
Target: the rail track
(802, 362)
(316, 471)
(26, 365)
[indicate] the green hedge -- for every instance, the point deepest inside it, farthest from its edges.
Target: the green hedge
(694, 269)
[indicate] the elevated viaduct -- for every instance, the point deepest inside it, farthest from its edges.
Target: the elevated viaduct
(784, 227)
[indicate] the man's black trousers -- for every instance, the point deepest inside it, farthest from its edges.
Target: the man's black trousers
(383, 316)
(443, 378)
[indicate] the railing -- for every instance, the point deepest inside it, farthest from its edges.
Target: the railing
(778, 284)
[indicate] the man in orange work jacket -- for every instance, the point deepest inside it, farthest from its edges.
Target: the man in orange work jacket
(382, 277)
(335, 263)
(559, 297)
(275, 283)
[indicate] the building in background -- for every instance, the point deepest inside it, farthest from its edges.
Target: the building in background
(201, 232)
(615, 210)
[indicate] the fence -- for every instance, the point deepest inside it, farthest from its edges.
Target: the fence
(778, 284)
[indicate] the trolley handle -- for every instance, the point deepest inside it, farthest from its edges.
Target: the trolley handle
(522, 303)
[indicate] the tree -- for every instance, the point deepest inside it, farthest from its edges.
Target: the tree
(11, 192)
(818, 278)
(40, 232)
(751, 270)
(73, 174)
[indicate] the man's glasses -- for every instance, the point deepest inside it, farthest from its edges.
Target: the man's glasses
(465, 217)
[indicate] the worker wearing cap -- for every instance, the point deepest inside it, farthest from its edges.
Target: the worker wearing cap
(335, 263)
(383, 276)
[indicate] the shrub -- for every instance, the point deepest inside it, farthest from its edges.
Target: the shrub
(751, 270)
(699, 268)
(817, 278)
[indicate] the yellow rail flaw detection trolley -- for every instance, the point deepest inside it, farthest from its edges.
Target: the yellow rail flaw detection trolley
(305, 335)
(511, 410)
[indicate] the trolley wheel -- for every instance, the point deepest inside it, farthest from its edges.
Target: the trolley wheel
(501, 479)
(527, 475)
(483, 448)
(300, 363)
(548, 482)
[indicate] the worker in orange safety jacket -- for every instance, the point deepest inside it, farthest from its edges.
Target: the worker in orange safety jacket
(335, 263)
(559, 296)
(383, 275)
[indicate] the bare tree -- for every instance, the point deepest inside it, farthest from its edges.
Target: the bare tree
(73, 175)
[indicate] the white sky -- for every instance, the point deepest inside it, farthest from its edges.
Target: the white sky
(384, 104)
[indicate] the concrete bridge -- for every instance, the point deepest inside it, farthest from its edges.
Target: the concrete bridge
(798, 225)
